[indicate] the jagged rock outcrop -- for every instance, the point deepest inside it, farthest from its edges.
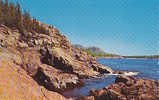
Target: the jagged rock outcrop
(47, 59)
(126, 88)
(55, 50)
(16, 84)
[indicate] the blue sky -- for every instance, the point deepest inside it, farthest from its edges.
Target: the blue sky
(125, 27)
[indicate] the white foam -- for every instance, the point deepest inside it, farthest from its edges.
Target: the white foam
(130, 73)
(125, 73)
(112, 74)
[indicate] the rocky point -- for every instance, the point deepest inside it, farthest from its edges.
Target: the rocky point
(35, 66)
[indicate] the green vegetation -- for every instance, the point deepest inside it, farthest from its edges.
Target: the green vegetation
(97, 52)
(12, 17)
(88, 51)
(100, 54)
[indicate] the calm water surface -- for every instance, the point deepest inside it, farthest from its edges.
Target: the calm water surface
(147, 68)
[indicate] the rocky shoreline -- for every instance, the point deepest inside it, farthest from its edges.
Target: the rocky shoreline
(47, 59)
(41, 66)
(126, 88)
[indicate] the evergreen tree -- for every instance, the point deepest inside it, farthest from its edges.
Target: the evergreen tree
(1, 17)
(26, 21)
(12, 16)
(5, 10)
(18, 16)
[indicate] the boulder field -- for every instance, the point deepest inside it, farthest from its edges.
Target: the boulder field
(126, 88)
(37, 66)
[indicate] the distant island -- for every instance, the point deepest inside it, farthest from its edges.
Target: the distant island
(98, 52)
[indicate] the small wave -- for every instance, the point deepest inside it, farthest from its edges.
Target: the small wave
(113, 74)
(125, 73)
(131, 73)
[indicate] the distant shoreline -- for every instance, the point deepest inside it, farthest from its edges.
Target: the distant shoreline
(110, 57)
(131, 57)
(99, 53)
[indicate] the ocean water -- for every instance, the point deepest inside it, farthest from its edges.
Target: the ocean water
(146, 68)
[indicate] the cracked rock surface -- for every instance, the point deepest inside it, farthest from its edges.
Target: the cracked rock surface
(39, 66)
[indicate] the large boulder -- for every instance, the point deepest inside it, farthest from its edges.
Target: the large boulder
(55, 79)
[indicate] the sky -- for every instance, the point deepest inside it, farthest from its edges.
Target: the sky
(124, 27)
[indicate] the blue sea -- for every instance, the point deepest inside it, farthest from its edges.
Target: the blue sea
(146, 68)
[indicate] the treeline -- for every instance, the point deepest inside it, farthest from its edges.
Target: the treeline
(12, 16)
(99, 54)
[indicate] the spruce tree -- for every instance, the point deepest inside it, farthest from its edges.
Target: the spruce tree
(18, 16)
(12, 17)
